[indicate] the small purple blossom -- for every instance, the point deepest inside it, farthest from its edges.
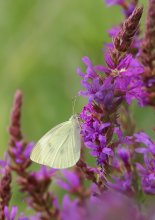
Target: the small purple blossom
(72, 209)
(114, 2)
(4, 164)
(109, 205)
(126, 77)
(129, 10)
(122, 184)
(43, 173)
(147, 174)
(12, 214)
(124, 154)
(113, 32)
(20, 153)
(146, 140)
(71, 181)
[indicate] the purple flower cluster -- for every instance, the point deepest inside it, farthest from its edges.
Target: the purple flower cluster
(92, 130)
(124, 171)
(146, 171)
(110, 205)
(106, 87)
(121, 81)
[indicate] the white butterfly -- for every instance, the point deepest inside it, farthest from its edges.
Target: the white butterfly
(60, 147)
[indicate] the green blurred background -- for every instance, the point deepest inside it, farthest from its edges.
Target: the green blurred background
(41, 45)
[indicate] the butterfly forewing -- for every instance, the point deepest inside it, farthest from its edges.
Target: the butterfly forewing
(60, 147)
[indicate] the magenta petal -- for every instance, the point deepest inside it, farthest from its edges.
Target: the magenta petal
(141, 150)
(102, 69)
(87, 61)
(63, 184)
(108, 151)
(71, 177)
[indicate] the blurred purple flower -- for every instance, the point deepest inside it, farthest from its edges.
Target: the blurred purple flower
(128, 11)
(144, 139)
(4, 164)
(122, 184)
(92, 132)
(11, 215)
(21, 153)
(108, 206)
(43, 173)
(72, 209)
(114, 31)
(124, 155)
(147, 174)
(126, 76)
(114, 2)
(71, 181)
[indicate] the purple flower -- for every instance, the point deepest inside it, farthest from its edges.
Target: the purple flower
(128, 11)
(72, 209)
(109, 205)
(113, 32)
(127, 77)
(114, 2)
(124, 155)
(113, 205)
(20, 153)
(71, 181)
(147, 174)
(150, 82)
(36, 217)
(4, 164)
(127, 8)
(145, 139)
(146, 171)
(122, 184)
(123, 78)
(43, 173)
(121, 81)
(11, 215)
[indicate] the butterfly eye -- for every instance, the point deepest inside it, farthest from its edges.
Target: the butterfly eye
(77, 116)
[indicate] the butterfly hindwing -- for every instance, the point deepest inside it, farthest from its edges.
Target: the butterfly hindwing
(60, 147)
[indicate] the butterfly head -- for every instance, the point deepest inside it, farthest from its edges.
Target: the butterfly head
(75, 117)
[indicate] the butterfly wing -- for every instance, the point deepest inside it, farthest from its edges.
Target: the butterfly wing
(60, 147)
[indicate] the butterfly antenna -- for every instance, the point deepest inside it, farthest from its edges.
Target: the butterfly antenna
(73, 104)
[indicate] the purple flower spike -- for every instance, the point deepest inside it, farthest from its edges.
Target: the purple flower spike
(113, 32)
(125, 78)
